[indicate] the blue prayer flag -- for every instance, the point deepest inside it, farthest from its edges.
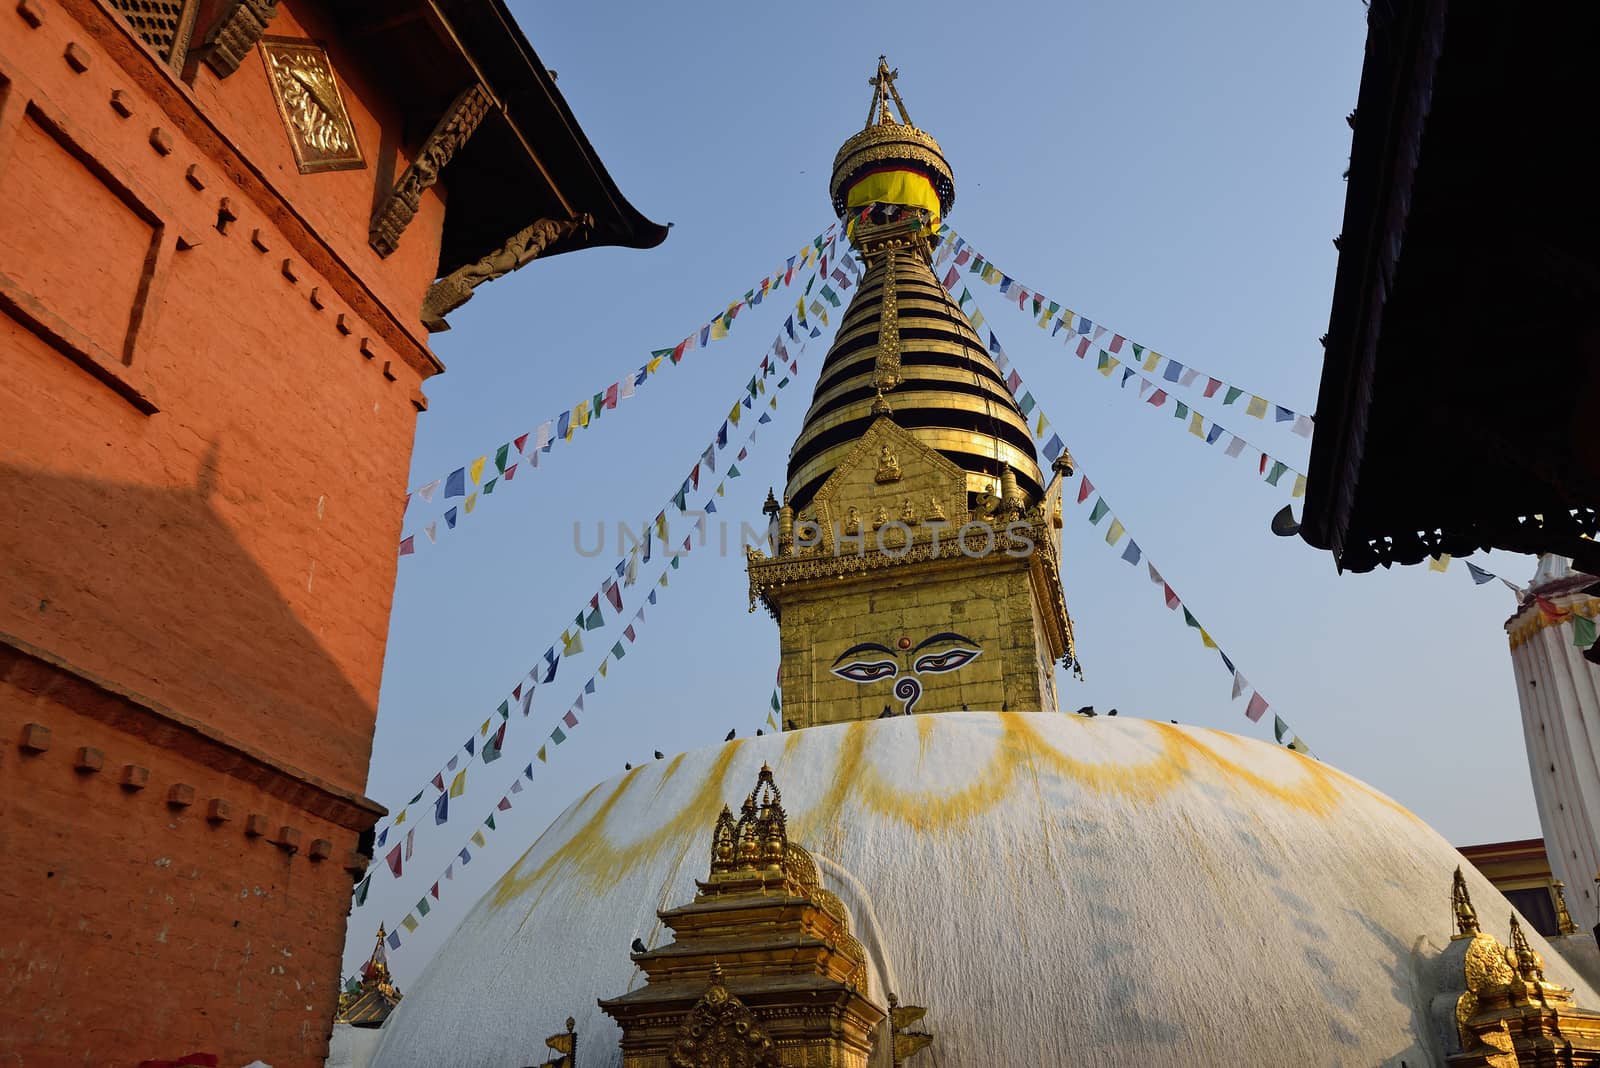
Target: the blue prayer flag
(472, 743)
(1053, 447)
(816, 331)
(450, 519)
(652, 597)
(562, 424)
(1214, 433)
(705, 335)
(588, 687)
(441, 808)
(394, 938)
(1084, 325)
(384, 837)
(994, 342)
(1127, 373)
(1131, 553)
(456, 484)
(1056, 329)
(1226, 662)
(788, 324)
(765, 418)
(466, 858)
(1479, 576)
(527, 772)
(1282, 414)
(1172, 370)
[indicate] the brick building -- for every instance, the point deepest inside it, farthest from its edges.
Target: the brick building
(223, 241)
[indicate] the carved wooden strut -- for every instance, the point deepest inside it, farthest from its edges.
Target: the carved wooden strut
(236, 31)
(460, 119)
(526, 245)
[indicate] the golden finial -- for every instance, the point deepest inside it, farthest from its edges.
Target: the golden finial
(1529, 965)
(880, 406)
(1063, 463)
(770, 507)
(882, 89)
(1564, 922)
(1465, 916)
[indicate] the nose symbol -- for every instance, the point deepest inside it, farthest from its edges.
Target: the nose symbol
(909, 691)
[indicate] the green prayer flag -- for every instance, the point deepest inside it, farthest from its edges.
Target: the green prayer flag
(1026, 403)
(733, 470)
(616, 651)
(1278, 468)
(504, 710)
(488, 487)
(1138, 350)
(1583, 632)
(1181, 410)
(423, 908)
(500, 455)
(361, 890)
(414, 800)
(1105, 360)
(595, 620)
(829, 295)
(557, 736)
(1188, 617)
(1233, 394)
(775, 700)
(965, 297)
(1100, 510)
(489, 823)
(675, 560)
(1279, 727)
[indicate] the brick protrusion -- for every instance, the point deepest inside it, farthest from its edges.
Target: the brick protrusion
(218, 811)
(355, 862)
(193, 176)
(388, 370)
(316, 298)
(287, 839)
(256, 826)
(134, 777)
(321, 849)
(121, 103)
(290, 271)
(31, 13)
(35, 738)
(367, 348)
(342, 324)
(161, 141)
(89, 760)
(259, 240)
(180, 795)
(77, 57)
(225, 215)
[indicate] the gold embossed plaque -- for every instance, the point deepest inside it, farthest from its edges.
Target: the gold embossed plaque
(310, 105)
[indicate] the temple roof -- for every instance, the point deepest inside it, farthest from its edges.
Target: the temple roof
(528, 160)
(1460, 375)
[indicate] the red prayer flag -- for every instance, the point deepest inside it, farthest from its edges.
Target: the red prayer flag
(516, 695)
(1550, 610)
(393, 859)
(1258, 705)
(694, 477)
(520, 441)
(1158, 398)
(434, 890)
(570, 719)
(1263, 463)
(1013, 381)
(628, 634)
(614, 595)
(950, 279)
(1172, 596)
(408, 545)
(511, 473)
(438, 780)
(611, 395)
(1212, 385)
(505, 803)
(1084, 490)
(1116, 342)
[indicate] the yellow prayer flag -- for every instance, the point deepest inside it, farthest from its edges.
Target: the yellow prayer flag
(733, 414)
(650, 368)
(1111, 364)
(476, 470)
(1152, 360)
(580, 414)
(409, 923)
(477, 839)
(458, 785)
(470, 503)
(800, 305)
(1115, 531)
(1038, 430)
(1439, 563)
(719, 328)
(1257, 407)
(1197, 425)
(663, 580)
(661, 524)
(1299, 486)
(720, 486)
(1044, 320)
(991, 274)
(483, 730)
(603, 665)
(977, 318)
(1204, 637)
(398, 820)
(542, 760)
(571, 643)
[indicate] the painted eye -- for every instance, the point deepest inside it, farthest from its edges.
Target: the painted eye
(949, 660)
(867, 670)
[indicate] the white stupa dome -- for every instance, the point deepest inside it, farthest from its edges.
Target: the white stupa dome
(1056, 890)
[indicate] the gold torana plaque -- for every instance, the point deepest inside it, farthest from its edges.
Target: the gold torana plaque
(310, 105)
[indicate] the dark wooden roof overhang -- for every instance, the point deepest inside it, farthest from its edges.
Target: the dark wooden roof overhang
(1463, 351)
(528, 160)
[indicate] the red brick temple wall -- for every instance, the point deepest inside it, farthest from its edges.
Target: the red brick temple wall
(205, 427)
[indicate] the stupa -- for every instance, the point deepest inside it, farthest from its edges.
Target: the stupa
(931, 862)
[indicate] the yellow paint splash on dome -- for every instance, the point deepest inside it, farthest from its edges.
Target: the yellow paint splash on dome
(590, 853)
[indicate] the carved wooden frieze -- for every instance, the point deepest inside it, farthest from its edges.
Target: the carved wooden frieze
(311, 106)
(237, 29)
(451, 132)
(526, 245)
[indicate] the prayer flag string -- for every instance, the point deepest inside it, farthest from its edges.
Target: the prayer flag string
(448, 781)
(1082, 333)
(1131, 553)
(468, 482)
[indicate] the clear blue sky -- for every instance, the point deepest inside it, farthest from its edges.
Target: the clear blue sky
(1172, 170)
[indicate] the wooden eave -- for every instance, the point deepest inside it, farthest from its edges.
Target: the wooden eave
(1462, 351)
(528, 160)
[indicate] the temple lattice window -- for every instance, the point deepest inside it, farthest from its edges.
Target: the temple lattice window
(164, 25)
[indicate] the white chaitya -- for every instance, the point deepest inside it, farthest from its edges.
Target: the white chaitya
(1055, 889)
(1559, 692)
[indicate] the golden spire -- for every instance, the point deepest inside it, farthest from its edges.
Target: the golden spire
(891, 162)
(1529, 965)
(882, 89)
(1465, 916)
(1564, 922)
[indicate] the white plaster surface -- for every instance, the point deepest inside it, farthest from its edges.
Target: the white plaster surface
(1056, 890)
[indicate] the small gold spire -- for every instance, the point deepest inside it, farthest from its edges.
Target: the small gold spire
(1529, 965)
(1465, 916)
(882, 90)
(880, 406)
(1564, 922)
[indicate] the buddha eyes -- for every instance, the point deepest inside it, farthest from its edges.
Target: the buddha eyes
(949, 660)
(867, 670)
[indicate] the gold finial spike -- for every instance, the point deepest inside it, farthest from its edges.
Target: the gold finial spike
(1564, 922)
(1530, 966)
(880, 406)
(1466, 918)
(882, 91)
